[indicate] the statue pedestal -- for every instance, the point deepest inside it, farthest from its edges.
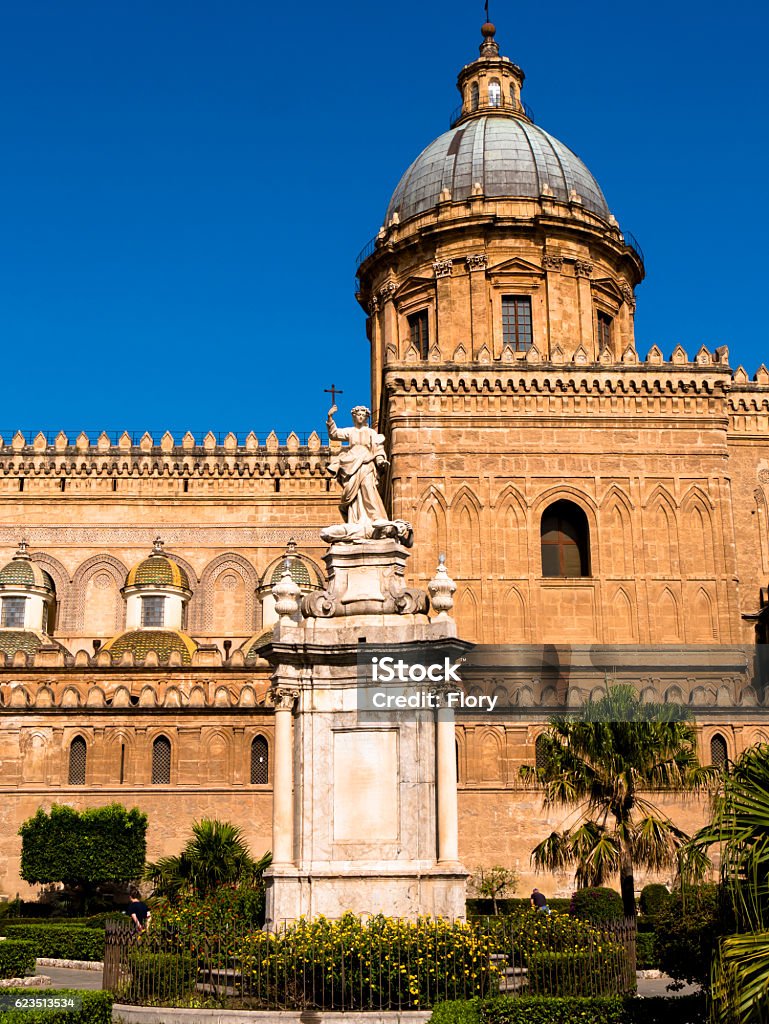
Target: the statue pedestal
(365, 814)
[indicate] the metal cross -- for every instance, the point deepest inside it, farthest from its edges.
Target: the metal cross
(487, 10)
(333, 391)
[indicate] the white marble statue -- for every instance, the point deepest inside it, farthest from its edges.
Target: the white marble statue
(357, 469)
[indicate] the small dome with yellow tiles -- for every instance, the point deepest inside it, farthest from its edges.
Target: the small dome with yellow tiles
(158, 571)
(21, 573)
(162, 641)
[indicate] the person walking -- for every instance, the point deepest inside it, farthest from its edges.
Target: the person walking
(138, 911)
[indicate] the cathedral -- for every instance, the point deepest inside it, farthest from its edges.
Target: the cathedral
(603, 511)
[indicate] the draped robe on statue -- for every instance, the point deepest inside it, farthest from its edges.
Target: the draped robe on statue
(355, 469)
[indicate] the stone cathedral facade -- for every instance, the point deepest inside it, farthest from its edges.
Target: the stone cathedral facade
(584, 492)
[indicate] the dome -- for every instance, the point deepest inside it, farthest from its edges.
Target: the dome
(304, 572)
(508, 156)
(163, 641)
(159, 570)
(28, 640)
(254, 645)
(22, 572)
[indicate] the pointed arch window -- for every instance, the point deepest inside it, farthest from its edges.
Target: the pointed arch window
(260, 761)
(161, 761)
(719, 753)
(78, 761)
(565, 540)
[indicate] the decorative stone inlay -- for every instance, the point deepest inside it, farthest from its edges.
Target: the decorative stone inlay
(442, 268)
(102, 580)
(552, 263)
(108, 535)
(478, 261)
(582, 268)
(229, 582)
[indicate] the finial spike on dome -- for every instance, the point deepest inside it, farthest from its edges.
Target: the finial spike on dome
(157, 546)
(23, 549)
(291, 546)
(489, 46)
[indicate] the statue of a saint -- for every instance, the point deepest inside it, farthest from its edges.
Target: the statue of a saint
(357, 469)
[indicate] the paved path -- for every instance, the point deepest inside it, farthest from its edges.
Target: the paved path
(659, 987)
(67, 977)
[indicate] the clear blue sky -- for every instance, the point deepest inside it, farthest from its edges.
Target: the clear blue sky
(185, 185)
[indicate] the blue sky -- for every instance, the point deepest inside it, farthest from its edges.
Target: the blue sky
(185, 186)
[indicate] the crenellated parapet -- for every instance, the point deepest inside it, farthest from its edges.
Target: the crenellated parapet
(113, 457)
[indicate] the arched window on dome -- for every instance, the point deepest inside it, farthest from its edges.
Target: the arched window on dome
(78, 761)
(161, 761)
(474, 96)
(719, 753)
(260, 761)
(565, 540)
(513, 101)
(495, 93)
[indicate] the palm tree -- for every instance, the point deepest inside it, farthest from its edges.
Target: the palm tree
(740, 826)
(601, 764)
(215, 856)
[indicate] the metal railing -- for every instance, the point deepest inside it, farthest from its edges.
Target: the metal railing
(632, 241)
(374, 964)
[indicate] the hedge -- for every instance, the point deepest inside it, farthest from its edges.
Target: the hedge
(570, 973)
(95, 921)
(485, 908)
(17, 959)
(61, 941)
(654, 898)
(601, 1010)
(96, 1007)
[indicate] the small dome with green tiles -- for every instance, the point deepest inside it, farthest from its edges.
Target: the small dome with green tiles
(253, 647)
(159, 570)
(22, 573)
(304, 572)
(162, 641)
(28, 640)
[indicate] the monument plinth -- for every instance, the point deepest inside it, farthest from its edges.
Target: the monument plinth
(365, 804)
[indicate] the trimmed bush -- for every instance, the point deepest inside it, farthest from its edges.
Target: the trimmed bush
(96, 1008)
(17, 959)
(654, 898)
(159, 978)
(599, 904)
(60, 941)
(646, 952)
(601, 1010)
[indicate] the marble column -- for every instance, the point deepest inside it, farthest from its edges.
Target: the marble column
(283, 780)
(448, 822)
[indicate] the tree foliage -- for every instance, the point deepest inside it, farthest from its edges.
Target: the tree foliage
(83, 849)
(216, 855)
(740, 829)
(603, 764)
(494, 883)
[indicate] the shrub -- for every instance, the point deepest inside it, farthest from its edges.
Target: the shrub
(159, 978)
(653, 899)
(96, 1007)
(533, 1010)
(646, 952)
(60, 941)
(687, 933)
(457, 1011)
(232, 909)
(599, 904)
(630, 1010)
(17, 959)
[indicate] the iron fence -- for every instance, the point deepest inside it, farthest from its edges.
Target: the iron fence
(375, 965)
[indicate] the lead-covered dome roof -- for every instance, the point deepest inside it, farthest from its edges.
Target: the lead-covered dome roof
(508, 156)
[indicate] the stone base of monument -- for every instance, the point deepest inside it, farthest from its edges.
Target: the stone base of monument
(365, 804)
(380, 889)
